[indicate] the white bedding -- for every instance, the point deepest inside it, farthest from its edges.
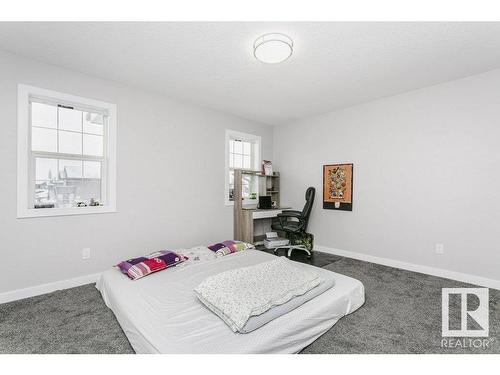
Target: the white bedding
(239, 294)
(161, 314)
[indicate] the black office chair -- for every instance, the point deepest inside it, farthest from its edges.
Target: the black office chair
(295, 222)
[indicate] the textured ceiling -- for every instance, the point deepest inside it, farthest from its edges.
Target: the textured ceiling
(334, 65)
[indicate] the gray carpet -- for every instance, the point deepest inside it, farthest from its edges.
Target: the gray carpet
(402, 314)
(68, 321)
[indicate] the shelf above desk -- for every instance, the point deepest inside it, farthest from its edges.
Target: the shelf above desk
(258, 173)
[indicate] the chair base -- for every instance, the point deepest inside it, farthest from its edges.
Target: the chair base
(292, 247)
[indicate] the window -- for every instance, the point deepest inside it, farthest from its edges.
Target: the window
(66, 154)
(242, 152)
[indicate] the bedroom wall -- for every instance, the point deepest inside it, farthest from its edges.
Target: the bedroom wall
(170, 180)
(426, 171)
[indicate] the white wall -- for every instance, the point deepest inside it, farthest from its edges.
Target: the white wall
(426, 171)
(176, 201)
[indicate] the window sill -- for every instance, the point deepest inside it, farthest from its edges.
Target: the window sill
(47, 212)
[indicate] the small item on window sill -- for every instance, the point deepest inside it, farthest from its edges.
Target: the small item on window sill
(81, 204)
(94, 202)
(44, 205)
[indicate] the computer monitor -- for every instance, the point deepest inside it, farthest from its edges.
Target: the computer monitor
(265, 202)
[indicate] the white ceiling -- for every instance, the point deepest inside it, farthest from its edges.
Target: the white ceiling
(334, 65)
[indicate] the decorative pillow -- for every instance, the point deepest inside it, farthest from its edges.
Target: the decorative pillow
(136, 268)
(229, 247)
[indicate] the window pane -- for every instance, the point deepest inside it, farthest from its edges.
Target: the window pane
(238, 161)
(88, 189)
(70, 169)
(46, 169)
(231, 146)
(238, 147)
(43, 139)
(246, 186)
(247, 148)
(231, 185)
(246, 162)
(92, 145)
(44, 192)
(74, 191)
(70, 119)
(93, 123)
(70, 143)
(66, 194)
(43, 115)
(70, 188)
(255, 155)
(91, 169)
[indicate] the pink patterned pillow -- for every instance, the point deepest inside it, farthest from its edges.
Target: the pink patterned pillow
(136, 268)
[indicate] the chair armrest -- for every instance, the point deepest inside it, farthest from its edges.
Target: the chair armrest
(290, 213)
(293, 211)
(285, 215)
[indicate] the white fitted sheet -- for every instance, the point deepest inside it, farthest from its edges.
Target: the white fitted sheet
(161, 314)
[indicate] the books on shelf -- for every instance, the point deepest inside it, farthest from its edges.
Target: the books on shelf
(267, 168)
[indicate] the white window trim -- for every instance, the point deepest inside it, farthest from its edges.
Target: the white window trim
(244, 136)
(24, 93)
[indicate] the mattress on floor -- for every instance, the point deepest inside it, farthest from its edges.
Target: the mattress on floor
(161, 314)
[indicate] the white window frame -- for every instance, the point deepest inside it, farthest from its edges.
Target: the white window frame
(24, 169)
(232, 134)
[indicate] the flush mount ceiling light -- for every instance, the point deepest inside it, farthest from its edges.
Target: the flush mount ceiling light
(273, 48)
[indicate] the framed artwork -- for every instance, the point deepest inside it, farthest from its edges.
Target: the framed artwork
(337, 187)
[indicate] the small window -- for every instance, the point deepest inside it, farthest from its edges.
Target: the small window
(242, 152)
(66, 154)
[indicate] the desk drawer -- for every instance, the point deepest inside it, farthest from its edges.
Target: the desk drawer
(265, 214)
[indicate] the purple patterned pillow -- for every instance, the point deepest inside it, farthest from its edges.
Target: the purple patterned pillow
(126, 264)
(171, 259)
(229, 247)
(136, 268)
(216, 246)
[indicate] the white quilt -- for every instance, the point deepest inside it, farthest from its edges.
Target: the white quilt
(236, 295)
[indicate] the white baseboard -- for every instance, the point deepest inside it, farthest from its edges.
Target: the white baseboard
(47, 288)
(447, 274)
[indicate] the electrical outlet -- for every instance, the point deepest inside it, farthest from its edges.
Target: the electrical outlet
(86, 253)
(439, 248)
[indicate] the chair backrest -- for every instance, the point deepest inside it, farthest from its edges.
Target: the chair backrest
(306, 211)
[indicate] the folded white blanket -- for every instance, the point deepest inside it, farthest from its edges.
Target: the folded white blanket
(238, 294)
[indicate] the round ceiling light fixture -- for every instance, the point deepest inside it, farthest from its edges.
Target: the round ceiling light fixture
(273, 48)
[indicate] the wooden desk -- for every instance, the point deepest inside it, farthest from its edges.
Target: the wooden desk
(245, 228)
(244, 217)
